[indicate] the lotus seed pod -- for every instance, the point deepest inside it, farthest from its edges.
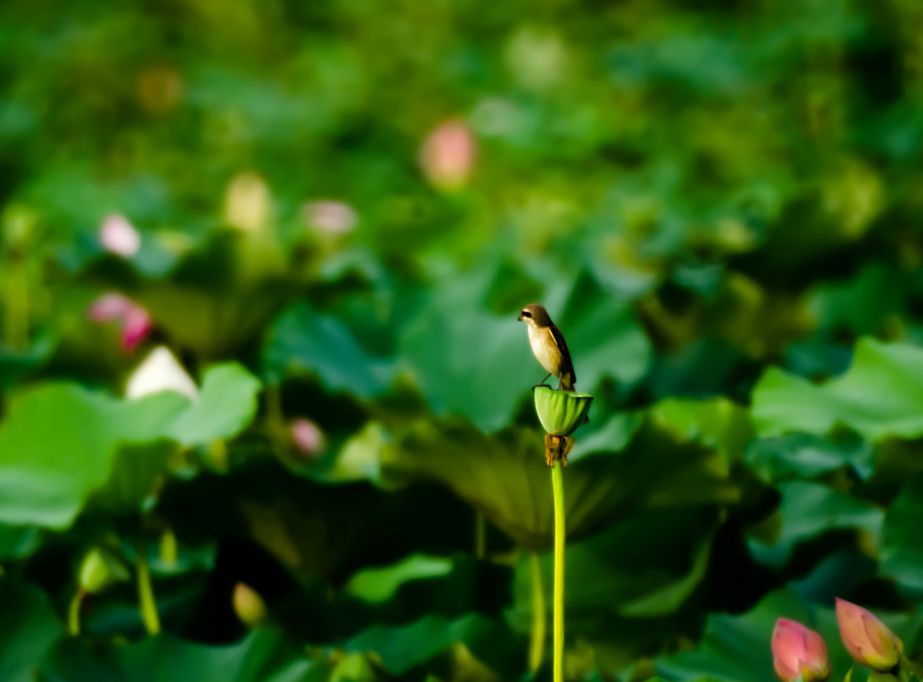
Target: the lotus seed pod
(99, 569)
(561, 412)
(248, 605)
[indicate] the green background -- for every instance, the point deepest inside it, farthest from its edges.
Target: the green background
(719, 203)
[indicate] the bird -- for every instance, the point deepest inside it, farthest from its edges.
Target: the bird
(548, 346)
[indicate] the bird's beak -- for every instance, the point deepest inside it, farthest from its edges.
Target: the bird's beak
(520, 317)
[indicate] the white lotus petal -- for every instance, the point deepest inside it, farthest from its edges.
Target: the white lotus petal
(160, 371)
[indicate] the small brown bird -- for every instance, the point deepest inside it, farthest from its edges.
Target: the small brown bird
(549, 346)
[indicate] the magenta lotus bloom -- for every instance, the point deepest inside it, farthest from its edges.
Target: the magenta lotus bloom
(331, 217)
(119, 236)
(797, 650)
(448, 154)
(308, 438)
(868, 640)
(134, 321)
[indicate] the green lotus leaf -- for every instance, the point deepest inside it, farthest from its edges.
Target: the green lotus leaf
(880, 396)
(29, 628)
(504, 476)
(264, 655)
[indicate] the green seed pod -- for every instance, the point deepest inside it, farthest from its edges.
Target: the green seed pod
(18, 225)
(99, 569)
(248, 605)
(561, 412)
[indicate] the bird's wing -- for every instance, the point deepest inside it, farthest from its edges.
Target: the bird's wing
(567, 366)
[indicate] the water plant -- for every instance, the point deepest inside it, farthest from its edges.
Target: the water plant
(560, 413)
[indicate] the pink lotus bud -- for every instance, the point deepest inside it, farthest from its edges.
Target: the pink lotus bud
(797, 650)
(867, 639)
(448, 155)
(332, 217)
(135, 328)
(134, 321)
(111, 306)
(307, 437)
(119, 236)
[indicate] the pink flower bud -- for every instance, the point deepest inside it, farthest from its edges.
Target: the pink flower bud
(332, 217)
(448, 155)
(108, 307)
(797, 650)
(135, 327)
(307, 437)
(119, 236)
(867, 639)
(134, 321)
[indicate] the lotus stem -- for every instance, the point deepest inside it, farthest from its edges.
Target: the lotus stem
(73, 613)
(218, 454)
(17, 308)
(146, 600)
(537, 648)
(480, 536)
(557, 485)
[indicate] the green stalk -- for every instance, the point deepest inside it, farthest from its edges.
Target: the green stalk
(146, 600)
(275, 419)
(875, 676)
(73, 613)
(16, 323)
(480, 535)
(537, 648)
(218, 454)
(909, 667)
(557, 486)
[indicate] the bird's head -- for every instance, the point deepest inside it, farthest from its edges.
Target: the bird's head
(534, 315)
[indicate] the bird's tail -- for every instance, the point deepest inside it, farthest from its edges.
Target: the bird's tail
(567, 382)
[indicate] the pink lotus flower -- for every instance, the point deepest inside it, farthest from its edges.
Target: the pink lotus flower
(119, 236)
(135, 322)
(867, 639)
(797, 650)
(448, 154)
(332, 217)
(308, 438)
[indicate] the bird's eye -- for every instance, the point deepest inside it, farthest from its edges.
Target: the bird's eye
(526, 313)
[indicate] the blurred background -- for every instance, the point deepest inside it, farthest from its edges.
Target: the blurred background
(266, 407)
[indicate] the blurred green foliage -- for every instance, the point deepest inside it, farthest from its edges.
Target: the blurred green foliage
(331, 213)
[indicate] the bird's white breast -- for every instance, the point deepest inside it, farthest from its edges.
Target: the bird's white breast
(545, 349)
